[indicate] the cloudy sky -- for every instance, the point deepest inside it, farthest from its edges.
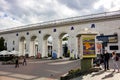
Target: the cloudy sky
(14, 13)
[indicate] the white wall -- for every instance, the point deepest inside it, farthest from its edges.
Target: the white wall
(108, 27)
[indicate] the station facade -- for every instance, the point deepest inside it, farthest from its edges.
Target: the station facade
(32, 39)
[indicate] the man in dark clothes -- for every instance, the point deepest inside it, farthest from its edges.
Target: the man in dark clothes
(16, 62)
(106, 57)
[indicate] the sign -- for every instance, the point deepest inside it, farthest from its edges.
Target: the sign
(113, 39)
(108, 38)
(88, 46)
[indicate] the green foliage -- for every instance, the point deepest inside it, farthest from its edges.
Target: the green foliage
(2, 47)
(60, 58)
(72, 72)
(49, 55)
(65, 39)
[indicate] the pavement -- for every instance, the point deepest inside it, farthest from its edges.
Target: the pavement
(30, 72)
(38, 69)
(102, 75)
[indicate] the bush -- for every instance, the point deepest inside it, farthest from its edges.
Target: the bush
(71, 74)
(60, 58)
(73, 71)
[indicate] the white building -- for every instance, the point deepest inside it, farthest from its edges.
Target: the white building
(32, 39)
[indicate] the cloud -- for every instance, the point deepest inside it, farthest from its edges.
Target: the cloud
(8, 22)
(78, 4)
(23, 12)
(108, 5)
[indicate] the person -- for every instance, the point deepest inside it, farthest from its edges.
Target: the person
(115, 65)
(106, 57)
(101, 58)
(16, 62)
(24, 61)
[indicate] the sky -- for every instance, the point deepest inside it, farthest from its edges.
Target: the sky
(15, 13)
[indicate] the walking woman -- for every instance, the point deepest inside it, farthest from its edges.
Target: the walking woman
(115, 65)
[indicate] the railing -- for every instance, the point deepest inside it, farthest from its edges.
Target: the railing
(105, 14)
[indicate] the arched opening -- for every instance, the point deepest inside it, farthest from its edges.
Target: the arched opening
(22, 46)
(64, 50)
(34, 46)
(47, 45)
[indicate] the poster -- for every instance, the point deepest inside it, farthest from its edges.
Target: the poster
(88, 46)
(99, 48)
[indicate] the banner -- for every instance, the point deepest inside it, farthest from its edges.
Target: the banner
(88, 46)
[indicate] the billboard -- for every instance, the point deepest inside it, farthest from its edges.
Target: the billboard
(88, 46)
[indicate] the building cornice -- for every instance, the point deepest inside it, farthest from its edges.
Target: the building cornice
(67, 21)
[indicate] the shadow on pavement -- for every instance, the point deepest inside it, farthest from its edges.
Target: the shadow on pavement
(101, 72)
(109, 75)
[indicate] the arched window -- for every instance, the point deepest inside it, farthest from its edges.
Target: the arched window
(92, 25)
(27, 33)
(54, 30)
(39, 32)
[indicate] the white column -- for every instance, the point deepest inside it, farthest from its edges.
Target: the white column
(72, 44)
(60, 48)
(78, 46)
(42, 46)
(56, 46)
(45, 48)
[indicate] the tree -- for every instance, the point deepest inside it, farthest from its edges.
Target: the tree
(2, 47)
(65, 38)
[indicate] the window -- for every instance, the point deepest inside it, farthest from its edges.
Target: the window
(17, 34)
(39, 32)
(114, 47)
(92, 25)
(5, 44)
(54, 30)
(13, 42)
(13, 48)
(27, 33)
(72, 28)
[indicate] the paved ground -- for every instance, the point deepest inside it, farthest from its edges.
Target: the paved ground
(102, 75)
(51, 70)
(38, 70)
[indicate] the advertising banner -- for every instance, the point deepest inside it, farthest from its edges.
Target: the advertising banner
(88, 46)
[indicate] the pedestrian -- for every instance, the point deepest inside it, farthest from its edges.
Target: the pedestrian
(106, 57)
(101, 58)
(24, 61)
(115, 65)
(16, 62)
